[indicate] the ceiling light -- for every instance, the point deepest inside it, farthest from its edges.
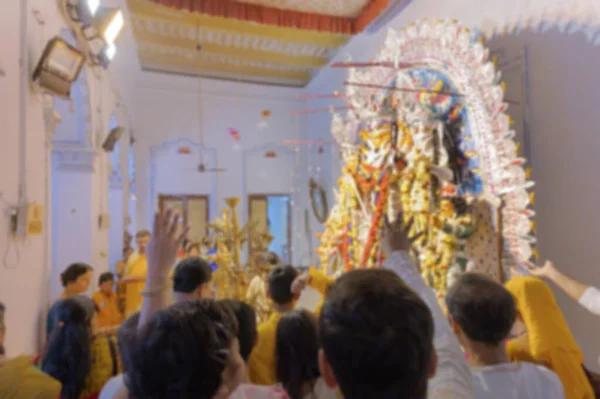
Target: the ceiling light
(109, 22)
(58, 67)
(81, 11)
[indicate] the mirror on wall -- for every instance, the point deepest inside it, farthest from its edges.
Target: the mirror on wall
(194, 211)
(272, 214)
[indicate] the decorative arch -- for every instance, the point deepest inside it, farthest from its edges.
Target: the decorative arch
(209, 155)
(261, 150)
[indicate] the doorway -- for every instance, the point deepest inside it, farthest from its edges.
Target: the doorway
(272, 214)
(194, 212)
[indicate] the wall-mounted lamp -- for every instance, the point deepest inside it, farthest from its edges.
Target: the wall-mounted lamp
(58, 67)
(112, 138)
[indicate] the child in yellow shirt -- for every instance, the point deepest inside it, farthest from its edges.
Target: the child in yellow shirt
(261, 365)
(109, 314)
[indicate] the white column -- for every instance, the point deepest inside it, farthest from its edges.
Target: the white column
(72, 210)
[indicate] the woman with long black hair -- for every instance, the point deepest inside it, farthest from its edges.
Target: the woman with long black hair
(81, 362)
(297, 357)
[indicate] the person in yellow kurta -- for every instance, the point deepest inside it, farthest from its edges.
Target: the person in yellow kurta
(108, 314)
(548, 340)
(261, 365)
(135, 274)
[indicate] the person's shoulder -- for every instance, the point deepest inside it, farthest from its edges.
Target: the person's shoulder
(547, 377)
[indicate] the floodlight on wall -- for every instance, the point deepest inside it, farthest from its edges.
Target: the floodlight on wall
(58, 67)
(81, 11)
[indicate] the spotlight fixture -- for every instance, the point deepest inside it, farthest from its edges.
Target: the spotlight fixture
(58, 67)
(81, 11)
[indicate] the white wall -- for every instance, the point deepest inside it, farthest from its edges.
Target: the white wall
(28, 273)
(563, 132)
(171, 120)
(564, 147)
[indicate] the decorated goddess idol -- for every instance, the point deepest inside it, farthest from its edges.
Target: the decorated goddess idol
(427, 132)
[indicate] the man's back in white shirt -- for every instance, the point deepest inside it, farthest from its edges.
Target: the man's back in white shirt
(516, 381)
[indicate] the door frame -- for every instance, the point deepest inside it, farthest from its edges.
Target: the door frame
(265, 197)
(162, 198)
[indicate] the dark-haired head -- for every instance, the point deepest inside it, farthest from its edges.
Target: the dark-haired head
(126, 339)
(189, 350)
(297, 352)
(192, 249)
(67, 357)
(192, 280)
(271, 259)
(246, 320)
(106, 282)
(76, 278)
(481, 310)
(280, 285)
(377, 337)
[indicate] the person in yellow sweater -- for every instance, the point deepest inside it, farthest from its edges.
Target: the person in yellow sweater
(261, 365)
(548, 340)
(135, 274)
(108, 314)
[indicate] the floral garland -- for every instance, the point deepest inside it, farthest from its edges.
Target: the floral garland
(382, 191)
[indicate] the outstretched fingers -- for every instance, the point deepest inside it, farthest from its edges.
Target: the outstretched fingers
(174, 225)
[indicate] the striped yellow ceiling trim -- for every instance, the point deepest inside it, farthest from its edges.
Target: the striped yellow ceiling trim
(246, 53)
(168, 61)
(145, 8)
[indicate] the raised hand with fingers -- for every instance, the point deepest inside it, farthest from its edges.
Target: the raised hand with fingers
(544, 271)
(395, 235)
(163, 246)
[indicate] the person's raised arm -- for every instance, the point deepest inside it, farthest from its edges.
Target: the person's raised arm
(453, 376)
(587, 296)
(162, 254)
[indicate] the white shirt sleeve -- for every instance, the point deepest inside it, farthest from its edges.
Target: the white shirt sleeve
(590, 299)
(453, 377)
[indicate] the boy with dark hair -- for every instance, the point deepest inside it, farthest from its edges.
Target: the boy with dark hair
(279, 289)
(387, 333)
(109, 314)
(188, 350)
(482, 313)
(377, 337)
(192, 280)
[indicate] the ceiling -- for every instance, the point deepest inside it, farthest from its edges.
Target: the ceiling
(279, 42)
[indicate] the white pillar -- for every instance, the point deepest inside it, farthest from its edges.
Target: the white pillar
(72, 210)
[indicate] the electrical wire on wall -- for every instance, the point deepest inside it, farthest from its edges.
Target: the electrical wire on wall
(10, 212)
